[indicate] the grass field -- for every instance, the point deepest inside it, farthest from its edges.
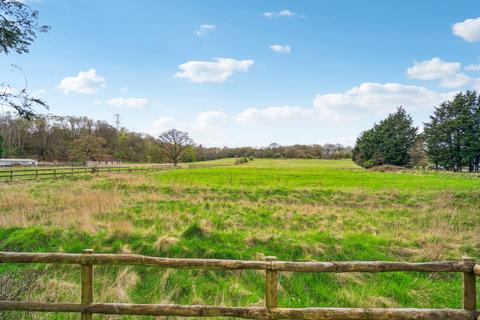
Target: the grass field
(293, 209)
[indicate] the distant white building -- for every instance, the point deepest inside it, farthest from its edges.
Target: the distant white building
(18, 163)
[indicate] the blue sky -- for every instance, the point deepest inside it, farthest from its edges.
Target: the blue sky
(251, 72)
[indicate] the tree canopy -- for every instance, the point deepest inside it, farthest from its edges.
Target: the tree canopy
(174, 144)
(19, 27)
(388, 142)
(453, 133)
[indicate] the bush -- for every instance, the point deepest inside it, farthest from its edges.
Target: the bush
(367, 164)
(241, 161)
(388, 168)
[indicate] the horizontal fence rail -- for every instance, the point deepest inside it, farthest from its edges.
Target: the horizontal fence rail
(239, 312)
(10, 175)
(48, 173)
(87, 260)
(179, 263)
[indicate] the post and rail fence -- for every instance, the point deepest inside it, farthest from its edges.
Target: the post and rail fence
(16, 174)
(272, 267)
(10, 175)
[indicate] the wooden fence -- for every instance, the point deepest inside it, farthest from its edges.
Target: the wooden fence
(10, 175)
(87, 260)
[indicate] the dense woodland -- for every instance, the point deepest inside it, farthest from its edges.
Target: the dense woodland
(67, 138)
(450, 141)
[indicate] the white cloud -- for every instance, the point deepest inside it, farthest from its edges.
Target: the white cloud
(369, 98)
(281, 48)
(376, 97)
(161, 124)
(135, 103)
(457, 81)
(209, 119)
(204, 29)
(208, 127)
(433, 69)
(278, 14)
(86, 82)
(40, 92)
(282, 114)
(329, 112)
(473, 67)
(218, 70)
(469, 29)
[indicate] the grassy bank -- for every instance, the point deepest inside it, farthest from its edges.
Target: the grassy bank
(294, 209)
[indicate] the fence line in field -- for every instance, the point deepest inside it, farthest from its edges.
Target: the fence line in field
(87, 260)
(46, 173)
(10, 175)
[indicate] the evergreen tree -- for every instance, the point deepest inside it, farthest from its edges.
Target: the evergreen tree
(453, 133)
(388, 142)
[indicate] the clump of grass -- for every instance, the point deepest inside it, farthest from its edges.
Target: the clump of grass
(195, 231)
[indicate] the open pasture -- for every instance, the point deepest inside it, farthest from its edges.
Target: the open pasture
(294, 209)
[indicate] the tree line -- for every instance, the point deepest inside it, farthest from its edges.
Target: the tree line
(276, 151)
(54, 138)
(450, 139)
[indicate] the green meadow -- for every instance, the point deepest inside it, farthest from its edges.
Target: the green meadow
(299, 210)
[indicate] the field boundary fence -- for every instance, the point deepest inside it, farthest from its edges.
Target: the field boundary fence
(26, 174)
(271, 267)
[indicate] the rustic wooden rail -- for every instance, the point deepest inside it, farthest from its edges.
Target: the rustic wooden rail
(10, 175)
(272, 267)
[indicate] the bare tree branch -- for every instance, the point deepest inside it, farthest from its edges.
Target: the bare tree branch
(174, 143)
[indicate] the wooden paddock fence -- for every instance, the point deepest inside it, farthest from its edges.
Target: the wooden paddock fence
(87, 260)
(10, 175)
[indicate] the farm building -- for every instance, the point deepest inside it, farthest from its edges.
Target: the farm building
(18, 163)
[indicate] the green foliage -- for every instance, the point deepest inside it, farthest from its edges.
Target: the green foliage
(175, 144)
(51, 138)
(388, 142)
(18, 30)
(18, 27)
(453, 133)
(241, 160)
(2, 148)
(87, 147)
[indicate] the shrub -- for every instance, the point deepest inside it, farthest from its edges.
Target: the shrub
(241, 160)
(388, 168)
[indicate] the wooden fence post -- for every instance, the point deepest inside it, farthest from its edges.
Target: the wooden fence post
(469, 287)
(11, 175)
(271, 285)
(87, 285)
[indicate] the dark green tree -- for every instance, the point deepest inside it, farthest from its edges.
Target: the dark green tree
(18, 29)
(388, 142)
(2, 149)
(453, 133)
